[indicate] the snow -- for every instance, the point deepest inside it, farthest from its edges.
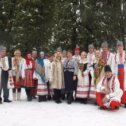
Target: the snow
(23, 113)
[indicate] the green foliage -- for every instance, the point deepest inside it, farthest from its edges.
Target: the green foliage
(46, 24)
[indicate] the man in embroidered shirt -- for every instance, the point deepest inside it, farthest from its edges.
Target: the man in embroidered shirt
(4, 75)
(108, 92)
(120, 68)
(107, 56)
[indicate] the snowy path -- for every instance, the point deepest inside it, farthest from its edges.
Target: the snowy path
(46, 114)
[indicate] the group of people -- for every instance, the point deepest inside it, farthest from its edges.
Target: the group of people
(97, 75)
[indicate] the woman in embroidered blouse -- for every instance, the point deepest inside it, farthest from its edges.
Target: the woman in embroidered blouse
(27, 74)
(70, 76)
(17, 63)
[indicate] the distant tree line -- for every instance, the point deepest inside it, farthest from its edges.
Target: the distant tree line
(47, 24)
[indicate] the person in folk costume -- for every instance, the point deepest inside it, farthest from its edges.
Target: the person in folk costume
(0, 70)
(57, 77)
(27, 75)
(77, 53)
(98, 67)
(17, 63)
(50, 90)
(5, 75)
(48, 64)
(63, 58)
(70, 76)
(91, 61)
(120, 69)
(107, 56)
(108, 92)
(76, 56)
(83, 79)
(41, 74)
(35, 82)
(64, 55)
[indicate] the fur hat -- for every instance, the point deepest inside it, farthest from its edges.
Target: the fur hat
(104, 45)
(91, 46)
(3, 48)
(119, 43)
(107, 69)
(59, 49)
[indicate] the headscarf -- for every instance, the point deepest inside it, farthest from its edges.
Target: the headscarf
(27, 60)
(40, 61)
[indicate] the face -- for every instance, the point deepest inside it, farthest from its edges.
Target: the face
(3, 53)
(47, 57)
(108, 74)
(51, 58)
(91, 50)
(120, 48)
(29, 56)
(83, 55)
(77, 52)
(58, 53)
(98, 54)
(58, 56)
(64, 54)
(105, 49)
(42, 55)
(34, 54)
(18, 54)
(69, 55)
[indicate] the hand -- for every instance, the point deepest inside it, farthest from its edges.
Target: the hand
(105, 91)
(74, 77)
(105, 99)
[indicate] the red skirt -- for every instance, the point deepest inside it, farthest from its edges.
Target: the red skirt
(121, 75)
(121, 80)
(35, 83)
(18, 84)
(28, 81)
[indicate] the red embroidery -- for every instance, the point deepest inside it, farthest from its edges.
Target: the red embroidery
(112, 86)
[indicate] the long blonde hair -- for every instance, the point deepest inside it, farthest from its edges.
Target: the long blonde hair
(17, 51)
(57, 57)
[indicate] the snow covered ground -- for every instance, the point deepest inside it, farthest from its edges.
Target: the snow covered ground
(25, 113)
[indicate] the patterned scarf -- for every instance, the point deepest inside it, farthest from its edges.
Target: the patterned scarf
(40, 68)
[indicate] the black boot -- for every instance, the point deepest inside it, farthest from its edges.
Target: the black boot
(57, 96)
(125, 105)
(70, 98)
(7, 100)
(29, 97)
(84, 101)
(63, 94)
(69, 101)
(58, 100)
(49, 97)
(34, 97)
(0, 100)
(43, 98)
(39, 98)
(79, 100)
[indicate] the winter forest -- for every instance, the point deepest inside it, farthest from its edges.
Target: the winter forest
(47, 24)
(37, 89)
